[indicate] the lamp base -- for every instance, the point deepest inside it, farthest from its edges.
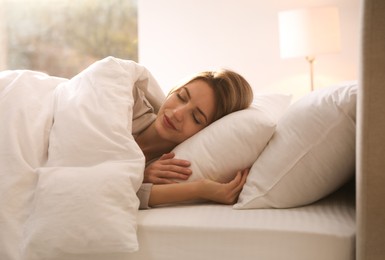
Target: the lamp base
(311, 59)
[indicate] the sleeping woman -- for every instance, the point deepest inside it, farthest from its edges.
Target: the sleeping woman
(43, 107)
(71, 153)
(189, 108)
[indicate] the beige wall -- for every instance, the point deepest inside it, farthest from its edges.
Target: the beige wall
(180, 37)
(3, 53)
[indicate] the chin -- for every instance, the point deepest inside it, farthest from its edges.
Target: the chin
(165, 134)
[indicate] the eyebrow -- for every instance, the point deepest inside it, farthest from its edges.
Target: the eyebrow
(199, 110)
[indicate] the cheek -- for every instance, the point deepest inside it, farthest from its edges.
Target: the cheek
(191, 129)
(166, 104)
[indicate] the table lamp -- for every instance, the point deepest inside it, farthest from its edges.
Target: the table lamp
(309, 32)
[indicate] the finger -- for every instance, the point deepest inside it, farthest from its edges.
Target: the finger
(174, 175)
(233, 188)
(158, 180)
(177, 169)
(234, 182)
(238, 182)
(178, 162)
(167, 156)
(237, 190)
(244, 174)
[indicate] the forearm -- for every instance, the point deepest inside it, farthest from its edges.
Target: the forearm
(226, 193)
(174, 193)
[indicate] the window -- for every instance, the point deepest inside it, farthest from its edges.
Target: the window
(62, 37)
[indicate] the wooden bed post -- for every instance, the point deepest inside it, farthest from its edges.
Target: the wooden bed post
(371, 135)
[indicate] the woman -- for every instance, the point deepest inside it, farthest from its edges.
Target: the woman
(188, 109)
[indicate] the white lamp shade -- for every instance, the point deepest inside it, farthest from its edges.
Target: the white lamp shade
(307, 32)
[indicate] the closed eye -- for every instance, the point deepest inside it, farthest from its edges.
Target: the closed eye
(181, 97)
(196, 120)
(184, 95)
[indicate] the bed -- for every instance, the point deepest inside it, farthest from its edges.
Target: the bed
(323, 200)
(211, 231)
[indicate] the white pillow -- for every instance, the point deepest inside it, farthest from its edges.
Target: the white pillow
(311, 154)
(233, 142)
(81, 212)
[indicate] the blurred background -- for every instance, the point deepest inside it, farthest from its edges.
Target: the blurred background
(173, 39)
(62, 37)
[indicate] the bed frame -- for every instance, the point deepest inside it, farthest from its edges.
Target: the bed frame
(370, 180)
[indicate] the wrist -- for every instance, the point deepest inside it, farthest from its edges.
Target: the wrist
(202, 189)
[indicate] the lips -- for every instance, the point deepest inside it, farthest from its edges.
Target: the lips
(167, 122)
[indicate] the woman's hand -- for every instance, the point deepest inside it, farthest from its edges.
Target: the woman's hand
(166, 169)
(225, 193)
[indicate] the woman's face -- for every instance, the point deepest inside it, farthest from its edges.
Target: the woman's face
(186, 111)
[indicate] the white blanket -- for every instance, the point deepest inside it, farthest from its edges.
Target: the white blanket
(69, 165)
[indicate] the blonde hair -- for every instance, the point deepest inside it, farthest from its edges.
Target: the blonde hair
(232, 92)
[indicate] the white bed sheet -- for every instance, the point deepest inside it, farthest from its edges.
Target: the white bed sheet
(323, 230)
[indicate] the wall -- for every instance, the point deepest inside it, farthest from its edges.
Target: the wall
(3, 46)
(180, 37)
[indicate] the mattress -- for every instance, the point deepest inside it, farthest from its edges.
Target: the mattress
(323, 230)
